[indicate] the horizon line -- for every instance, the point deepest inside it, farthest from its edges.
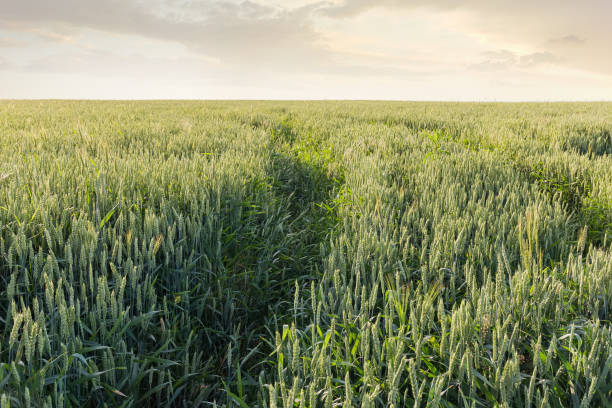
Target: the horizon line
(303, 100)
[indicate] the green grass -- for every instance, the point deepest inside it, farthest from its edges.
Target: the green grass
(305, 254)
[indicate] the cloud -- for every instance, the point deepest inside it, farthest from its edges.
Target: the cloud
(500, 60)
(260, 38)
(9, 43)
(4, 64)
(498, 55)
(539, 58)
(52, 35)
(245, 32)
(529, 26)
(570, 39)
(352, 8)
(256, 42)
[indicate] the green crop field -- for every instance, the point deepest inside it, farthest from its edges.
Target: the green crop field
(305, 254)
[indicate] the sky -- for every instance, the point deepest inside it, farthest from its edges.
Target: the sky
(459, 50)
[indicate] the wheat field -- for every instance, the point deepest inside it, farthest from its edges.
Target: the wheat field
(305, 254)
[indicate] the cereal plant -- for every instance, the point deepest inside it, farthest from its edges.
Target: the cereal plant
(305, 254)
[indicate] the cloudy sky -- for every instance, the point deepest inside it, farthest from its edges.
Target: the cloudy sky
(307, 49)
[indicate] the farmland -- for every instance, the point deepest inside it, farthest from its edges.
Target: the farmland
(305, 254)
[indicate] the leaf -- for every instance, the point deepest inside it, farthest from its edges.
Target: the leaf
(237, 399)
(108, 216)
(95, 167)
